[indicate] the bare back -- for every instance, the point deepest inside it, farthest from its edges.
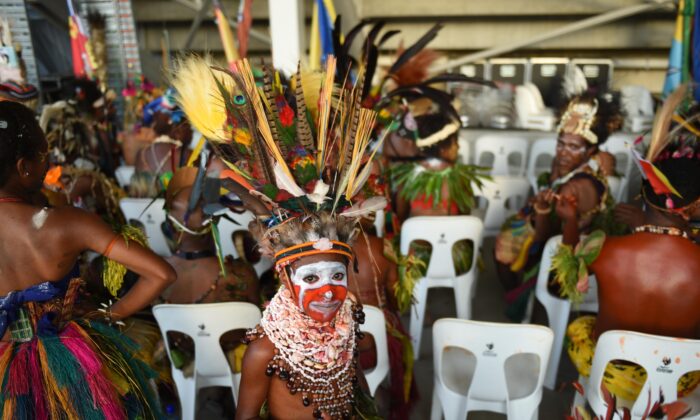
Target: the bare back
(649, 283)
(35, 245)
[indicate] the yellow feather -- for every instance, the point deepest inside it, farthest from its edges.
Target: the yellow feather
(199, 96)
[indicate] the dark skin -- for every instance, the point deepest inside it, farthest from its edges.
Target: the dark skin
(150, 157)
(572, 151)
(372, 264)
(195, 277)
(643, 293)
(38, 245)
(256, 387)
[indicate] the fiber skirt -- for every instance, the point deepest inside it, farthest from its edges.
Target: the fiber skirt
(84, 370)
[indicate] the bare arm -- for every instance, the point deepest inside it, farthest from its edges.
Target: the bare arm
(89, 232)
(576, 197)
(254, 382)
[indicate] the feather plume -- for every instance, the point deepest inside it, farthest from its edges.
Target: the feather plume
(662, 122)
(411, 51)
(200, 98)
(284, 182)
(415, 69)
(371, 205)
(304, 134)
(312, 80)
(324, 111)
(574, 83)
(271, 108)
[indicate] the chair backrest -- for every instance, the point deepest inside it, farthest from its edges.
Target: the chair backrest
(442, 232)
(540, 148)
(502, 147)
(464, 148)
(618, 146)
(665, 360)
(151, 214)
(375, 324)
(226, 230)
(497, 193)
(615, 187)
(123, 175)
(205, 323)
(492, 344)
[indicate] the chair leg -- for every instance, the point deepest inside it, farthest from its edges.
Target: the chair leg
(558, 319)
(436, 407)
(463, 298)
(187, 392)
(418, 316)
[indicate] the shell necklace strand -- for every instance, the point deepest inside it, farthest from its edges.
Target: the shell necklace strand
(315, 359)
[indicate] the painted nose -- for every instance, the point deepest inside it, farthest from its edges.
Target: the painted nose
(328, 295)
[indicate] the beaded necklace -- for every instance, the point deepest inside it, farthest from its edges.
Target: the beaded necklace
(662, 230)
(315, 359)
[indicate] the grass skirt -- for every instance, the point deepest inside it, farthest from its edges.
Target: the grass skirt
(84, 370)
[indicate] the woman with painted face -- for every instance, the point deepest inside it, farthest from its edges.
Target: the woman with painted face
(303, 185)
(56, 365)
(578, 174)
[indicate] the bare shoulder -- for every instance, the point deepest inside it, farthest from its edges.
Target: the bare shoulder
(259, 352)
(607, 162)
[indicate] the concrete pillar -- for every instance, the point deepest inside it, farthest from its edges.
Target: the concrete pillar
(287, 29)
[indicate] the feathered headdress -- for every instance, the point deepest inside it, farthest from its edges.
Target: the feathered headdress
(298, 169)
(671, 168)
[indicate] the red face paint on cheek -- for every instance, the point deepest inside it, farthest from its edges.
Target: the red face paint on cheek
(323, 303)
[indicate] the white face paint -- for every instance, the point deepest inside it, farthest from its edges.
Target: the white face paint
(320, 287)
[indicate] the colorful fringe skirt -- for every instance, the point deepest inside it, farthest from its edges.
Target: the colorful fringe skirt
(622, 379)
(84, 370)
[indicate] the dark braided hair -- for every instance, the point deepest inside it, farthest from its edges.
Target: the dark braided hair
(20, 137)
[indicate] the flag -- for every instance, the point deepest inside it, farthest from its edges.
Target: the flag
(78, 42)
(658, 181)
(226, 35)
(679, 57)
(245, 21)
(321, 37)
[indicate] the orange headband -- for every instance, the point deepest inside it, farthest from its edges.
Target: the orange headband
(295, 252)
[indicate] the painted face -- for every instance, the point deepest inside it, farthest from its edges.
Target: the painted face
(571, 152)
(320, 288)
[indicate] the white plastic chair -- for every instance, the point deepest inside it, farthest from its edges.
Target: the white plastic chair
(530, 108)
(151, 214)
(205, 324)
(442, 232)
(665, 360)
(464, 147)
(558, 309)
(502, 147)
(123, 175)
(540, 148)
(375, 324)
(508, 374)
(615, 187)
(496, 194)
(617, 145)
(226, 230)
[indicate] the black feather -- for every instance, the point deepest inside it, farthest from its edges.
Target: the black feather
(387, 36)
(459, 78)
(415, 48)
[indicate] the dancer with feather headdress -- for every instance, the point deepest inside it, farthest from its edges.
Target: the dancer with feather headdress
(300, 172)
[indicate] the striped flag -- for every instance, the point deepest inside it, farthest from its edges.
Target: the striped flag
(321, 37)
(78, 42)
(679, 58)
